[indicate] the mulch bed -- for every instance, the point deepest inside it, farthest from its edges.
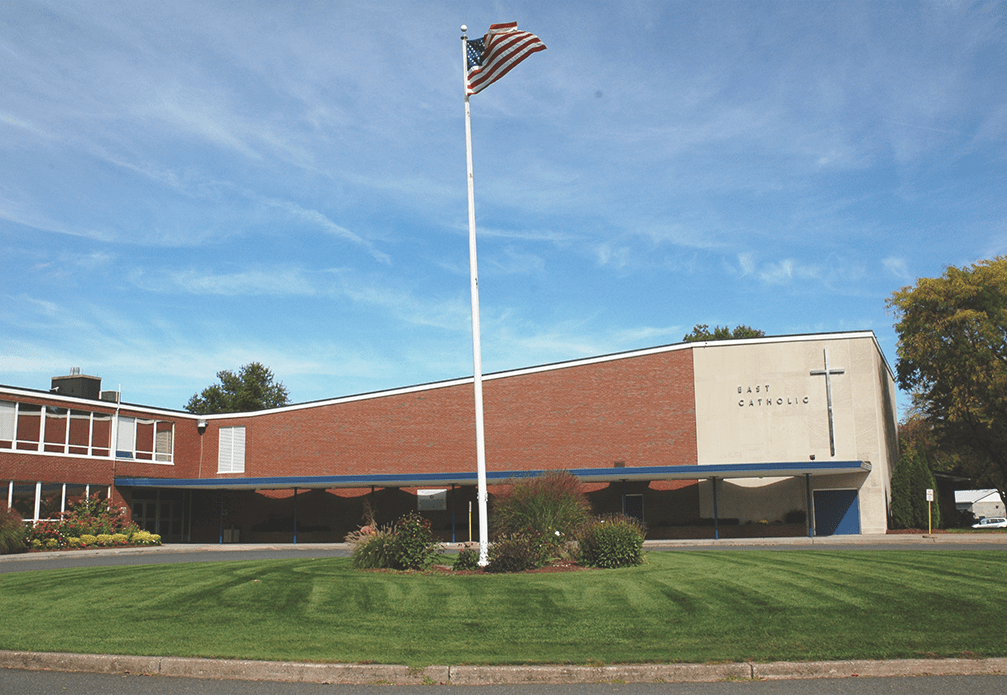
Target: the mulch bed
(560, 566)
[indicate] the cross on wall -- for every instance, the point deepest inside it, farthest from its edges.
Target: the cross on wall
(828, 396)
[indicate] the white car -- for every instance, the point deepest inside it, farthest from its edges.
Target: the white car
(991, 522)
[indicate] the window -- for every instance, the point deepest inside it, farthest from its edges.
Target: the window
(8, 419)
(79, 432)
(125, 438)
(163, 438)
(231, 450)
(29, 426)
(58, 430)
(57, 421)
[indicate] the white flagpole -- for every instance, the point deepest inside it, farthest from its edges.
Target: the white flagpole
(477, 379)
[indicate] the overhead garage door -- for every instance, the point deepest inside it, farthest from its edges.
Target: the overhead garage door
(837, 512)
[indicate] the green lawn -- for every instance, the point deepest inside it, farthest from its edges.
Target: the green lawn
(680, 606)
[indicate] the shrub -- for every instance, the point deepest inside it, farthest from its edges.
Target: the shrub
(612, 541)
(13, 533)
(795, 516)
(145, 538)
(518, 553)
(551, 506)
(46, 534)
(408, 545)
(414, 547)
(372, 550)
(103, 539)
(467, 559)
(87, 539)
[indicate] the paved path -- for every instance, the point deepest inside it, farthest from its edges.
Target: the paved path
(61, 683)
(485, 675)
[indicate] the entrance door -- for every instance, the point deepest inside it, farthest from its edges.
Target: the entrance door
(632, 505)
(837, 512)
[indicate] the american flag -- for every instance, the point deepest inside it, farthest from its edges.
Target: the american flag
(495, 54)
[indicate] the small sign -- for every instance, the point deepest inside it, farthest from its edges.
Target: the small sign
(930, 495)
(431, 500)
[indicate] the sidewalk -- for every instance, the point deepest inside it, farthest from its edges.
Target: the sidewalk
(997, 540)
(376, 674)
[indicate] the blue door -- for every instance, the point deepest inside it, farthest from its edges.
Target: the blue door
(837, 512)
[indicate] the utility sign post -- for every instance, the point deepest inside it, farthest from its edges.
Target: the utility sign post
(930, 499)
(484, 61)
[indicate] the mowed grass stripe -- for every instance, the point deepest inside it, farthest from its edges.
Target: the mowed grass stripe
(681, 606)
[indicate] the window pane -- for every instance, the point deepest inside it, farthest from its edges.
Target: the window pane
(145, 439)
(101, 434)
(55, 429)
(125, 440)
(7, 422)
(163, 443)
(29, 426)
(24, 499)
(80, 431)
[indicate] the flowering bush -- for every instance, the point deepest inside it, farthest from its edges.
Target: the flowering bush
(86, 524)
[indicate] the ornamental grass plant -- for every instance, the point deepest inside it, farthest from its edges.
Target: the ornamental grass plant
(13, 533)
(408, 545)
(550, 508)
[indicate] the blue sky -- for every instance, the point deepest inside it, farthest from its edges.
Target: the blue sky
(188, 187)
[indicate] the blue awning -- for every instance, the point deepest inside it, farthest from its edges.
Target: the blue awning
(587, 475)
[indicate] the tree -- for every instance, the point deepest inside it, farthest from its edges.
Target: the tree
(252, 388)
(910, 481)
(952, 356)
(701, 331)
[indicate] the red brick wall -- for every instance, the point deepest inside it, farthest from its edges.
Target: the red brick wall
(640, 411)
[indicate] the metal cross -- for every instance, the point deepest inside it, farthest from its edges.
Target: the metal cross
(828, 396)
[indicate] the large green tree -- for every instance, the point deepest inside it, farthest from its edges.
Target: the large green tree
(910, 481)
(952, 356)
(702, 331)
(252, 388)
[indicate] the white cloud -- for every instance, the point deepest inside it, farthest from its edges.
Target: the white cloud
(897, 268)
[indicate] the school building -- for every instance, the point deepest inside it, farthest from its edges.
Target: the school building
(774, 436)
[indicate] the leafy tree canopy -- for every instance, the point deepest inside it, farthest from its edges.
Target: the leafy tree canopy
(252, 388)
(701, 332)
(953, 357)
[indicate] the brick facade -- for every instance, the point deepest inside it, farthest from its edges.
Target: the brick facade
(634, 410)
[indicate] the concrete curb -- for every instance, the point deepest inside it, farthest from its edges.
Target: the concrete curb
(371, 674)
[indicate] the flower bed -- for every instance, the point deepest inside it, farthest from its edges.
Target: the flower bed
(87, 524)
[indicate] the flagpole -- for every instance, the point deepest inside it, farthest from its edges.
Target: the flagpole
(477, 367)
